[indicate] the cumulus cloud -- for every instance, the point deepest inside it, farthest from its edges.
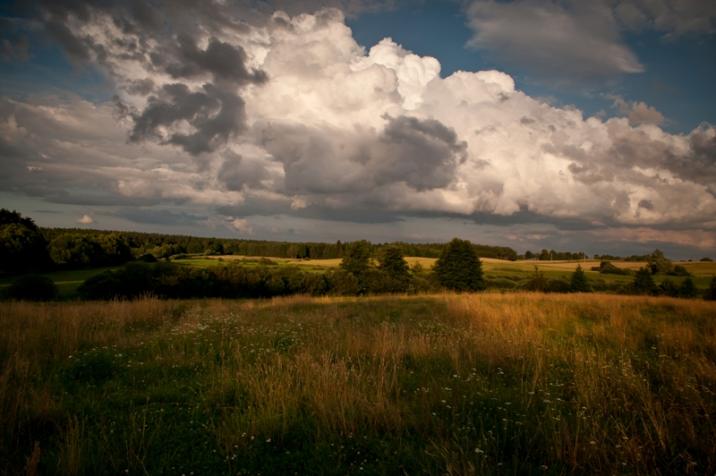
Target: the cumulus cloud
(85, 220)
(241, 225)
(310, 124)
(638, 112)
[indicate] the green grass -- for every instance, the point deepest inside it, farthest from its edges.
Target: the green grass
(67, 281)
(471, 384)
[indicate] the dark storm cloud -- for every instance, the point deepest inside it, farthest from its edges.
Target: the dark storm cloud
(422, 153)
(164, 44)
(215, 114)
(221, 59)
(153, 216)
(238, 172)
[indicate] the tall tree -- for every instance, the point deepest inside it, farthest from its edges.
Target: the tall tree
(459, 268)
(356, 261)
(22, 245)
(393, 264)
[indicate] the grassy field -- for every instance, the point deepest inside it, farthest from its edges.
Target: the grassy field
(67, 281)
(493, 268)
(446, 384)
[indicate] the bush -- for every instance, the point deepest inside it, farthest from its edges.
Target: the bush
(33, 288)
(643, 282)
(557, 286)
(606, 267)
(687, 288)
(668, 288)
(711, 291)
(578, 282)
(679, 270)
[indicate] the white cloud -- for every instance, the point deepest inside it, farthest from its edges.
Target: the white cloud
(638, 112)
(242, 225)
(85, 220)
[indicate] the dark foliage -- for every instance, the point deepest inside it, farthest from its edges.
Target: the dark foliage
(32, 288)
(711, 291)
(605, 267)
(395, 268)
(22, 245)
(459, 268)
(578, 282)
(687, 288)
(643, 282)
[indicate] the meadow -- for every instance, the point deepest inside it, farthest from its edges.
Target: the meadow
(490, 383)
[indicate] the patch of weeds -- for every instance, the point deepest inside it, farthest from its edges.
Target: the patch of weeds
(95, 367)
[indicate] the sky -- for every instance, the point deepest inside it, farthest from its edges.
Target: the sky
(580, 126)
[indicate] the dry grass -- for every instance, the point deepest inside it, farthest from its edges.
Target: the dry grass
(445, 384)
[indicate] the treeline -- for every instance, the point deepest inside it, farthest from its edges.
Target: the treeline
(163, 245)
(26, 247)
(550, 255)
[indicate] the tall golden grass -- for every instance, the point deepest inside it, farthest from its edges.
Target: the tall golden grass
(596, 383)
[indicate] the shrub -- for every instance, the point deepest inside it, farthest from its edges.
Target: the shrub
(711, 291)
(643, 282)
(687, 288)
(578, 282)
(679, 270)
(33, 288)
(538, 282)
(606, 267)
(557, 286)
(668, 288)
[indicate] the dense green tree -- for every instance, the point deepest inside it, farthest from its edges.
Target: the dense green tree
(643, 282)
(393, 264)
(22, 245)
(114, 248)
(658, 263)
(356, 261)
(459, 268)
(76, 250)
(578, 282)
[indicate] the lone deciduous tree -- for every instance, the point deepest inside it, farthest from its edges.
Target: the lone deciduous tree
(459, 268)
